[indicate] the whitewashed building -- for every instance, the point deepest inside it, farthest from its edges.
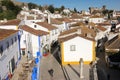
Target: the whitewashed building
(96, 19)
(10, 24)
(32, 41)
(9, 52)
(75, 44)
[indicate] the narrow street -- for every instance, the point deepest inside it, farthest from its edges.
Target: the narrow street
(104, 71)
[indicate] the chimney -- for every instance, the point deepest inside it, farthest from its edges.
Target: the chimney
(65, 26)
(5, 20)
(78, 31)
(49, 20)
(113, 27)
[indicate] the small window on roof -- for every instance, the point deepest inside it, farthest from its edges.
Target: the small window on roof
(35, 26)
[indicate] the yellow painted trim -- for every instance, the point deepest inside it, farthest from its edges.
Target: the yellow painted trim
(17, 27)
(77, 62)
(62, 53)
(93, 52)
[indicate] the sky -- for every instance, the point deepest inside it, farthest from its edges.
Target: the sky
(78, 4)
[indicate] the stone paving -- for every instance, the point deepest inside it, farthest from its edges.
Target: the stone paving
(23, 70)
(73, 72)
(50, 69)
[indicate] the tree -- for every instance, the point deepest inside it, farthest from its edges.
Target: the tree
(75, 10)
(40, 7)
(51, 8)
(32, 6)
(104, 7)
(62, 8)
(11, 10)
(105, 12)
(118, 18)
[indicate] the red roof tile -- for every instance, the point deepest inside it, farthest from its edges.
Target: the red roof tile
(113, 43)
(4, 33)
(64, 19)
(101, 28)
(12, 22)
(46, 25)
(84, 32)
(33, 31)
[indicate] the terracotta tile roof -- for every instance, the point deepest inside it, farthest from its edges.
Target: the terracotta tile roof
(95, 16)
(84, 32)
(30, 18)
(101, 28)
(12, 22)
(33, 31)
(73, 36)
(113, 43)
(64, 19)
(55, 21)
(39, 17)
(46, 25)
(4, 33)
(92, 24)
(78, 24)
(75, 16)
(69, 31)
(105, 23)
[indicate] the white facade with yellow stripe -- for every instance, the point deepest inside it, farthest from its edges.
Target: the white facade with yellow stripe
(82, 48)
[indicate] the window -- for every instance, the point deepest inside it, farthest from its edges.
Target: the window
(24, 41)
(35, 26)
(1, 50)
(7, 45)
(15, 39)
(47, 37)
(21, 32)
(56, 31)
(72, 48)
(53, 32)
(12, 41)
(98, 20)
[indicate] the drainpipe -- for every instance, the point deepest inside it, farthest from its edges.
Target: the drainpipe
(38, 56)
(19, 36)
(49, 21)
(39, 43)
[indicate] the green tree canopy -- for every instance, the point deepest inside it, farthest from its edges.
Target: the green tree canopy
(32, 6)
(11, 10)
(51, 8)
(75, 10)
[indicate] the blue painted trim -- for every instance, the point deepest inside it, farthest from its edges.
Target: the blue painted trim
(19, 36)
(18, 60)
(7, 78)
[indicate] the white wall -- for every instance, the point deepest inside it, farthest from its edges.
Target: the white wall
(35, 44)
(83, 50)
(9, 27)
(96, 20)
(8, 54)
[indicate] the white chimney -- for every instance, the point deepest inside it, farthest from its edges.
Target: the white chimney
(49, 21)
(65, 26)
(78, 31)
